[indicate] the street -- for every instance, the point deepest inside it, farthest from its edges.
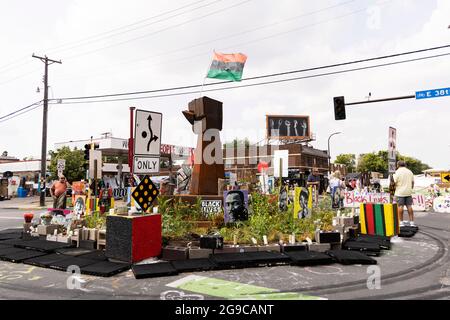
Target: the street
(415, 268)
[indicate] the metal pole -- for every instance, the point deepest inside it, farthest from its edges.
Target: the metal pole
(381, 100)
(328, 152)
(131, 143)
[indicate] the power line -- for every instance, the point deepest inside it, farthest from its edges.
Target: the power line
(262, 83)
(227, 37)
(21, 113)
(260, 77)
(19, 62)
(100, 37)
(38, 103)
(15, 113)
(159, 31)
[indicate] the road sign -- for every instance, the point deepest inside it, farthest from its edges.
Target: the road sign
(392, 149)
(93, 156)
(433, 93)
(61, 165)
(145, 193)
(445, 177)
(147, 133)
(145, 165)
(392, 166)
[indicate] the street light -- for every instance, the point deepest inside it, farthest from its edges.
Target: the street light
(329, 156)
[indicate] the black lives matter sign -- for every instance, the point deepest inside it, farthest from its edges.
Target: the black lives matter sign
(211, 207)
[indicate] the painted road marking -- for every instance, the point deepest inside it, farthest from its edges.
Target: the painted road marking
(234, 290)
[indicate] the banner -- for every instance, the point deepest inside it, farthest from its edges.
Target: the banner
(442, 204)
(235, 205)
(419, 202)
(302, 203)
(353, 199)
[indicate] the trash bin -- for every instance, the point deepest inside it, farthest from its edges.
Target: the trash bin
(21, 192)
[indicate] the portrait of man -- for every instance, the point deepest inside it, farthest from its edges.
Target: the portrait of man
(235, 205)
(283, 199)
(79, 207)
(301, 208)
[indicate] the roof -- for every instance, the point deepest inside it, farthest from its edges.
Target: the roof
(21, 166)
(314, 152)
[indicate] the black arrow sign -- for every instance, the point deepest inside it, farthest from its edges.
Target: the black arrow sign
(152, 136)
(447, 177)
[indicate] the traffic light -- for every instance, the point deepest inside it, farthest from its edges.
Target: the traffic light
(339, 108)
(87, 147)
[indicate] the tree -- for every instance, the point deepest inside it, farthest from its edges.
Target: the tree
(415, 165)
(372, 162)
(74, 170)
(348, 160)
(378, 162)
(237, 143)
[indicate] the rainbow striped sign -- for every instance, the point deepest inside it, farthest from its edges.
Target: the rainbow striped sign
(379, 219)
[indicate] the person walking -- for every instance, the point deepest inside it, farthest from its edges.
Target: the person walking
(404, 184)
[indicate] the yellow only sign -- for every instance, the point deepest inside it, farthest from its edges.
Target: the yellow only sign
(445, 177)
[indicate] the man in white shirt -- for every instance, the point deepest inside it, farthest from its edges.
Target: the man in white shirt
(404, 184)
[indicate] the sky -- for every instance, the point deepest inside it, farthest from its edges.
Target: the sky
(127, 46)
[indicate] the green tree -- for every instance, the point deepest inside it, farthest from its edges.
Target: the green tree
(348, 160)
(378, 162)
(74, 170)
(237, 143)
(372, 162)
(415, 165)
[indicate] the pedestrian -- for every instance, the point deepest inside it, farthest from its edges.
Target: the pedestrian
(59, 193)
(404, 184)
(336, 188)
(314, 176)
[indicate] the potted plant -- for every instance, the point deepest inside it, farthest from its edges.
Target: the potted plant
(28, 216)
(46, 219)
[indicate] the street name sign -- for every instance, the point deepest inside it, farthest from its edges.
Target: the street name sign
(392, 149)
(445, 177)
(433, 93)
(146, 164)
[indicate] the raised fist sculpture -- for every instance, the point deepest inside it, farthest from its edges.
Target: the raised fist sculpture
(205, 116)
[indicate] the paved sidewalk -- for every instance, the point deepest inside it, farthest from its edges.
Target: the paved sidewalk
(27, 203)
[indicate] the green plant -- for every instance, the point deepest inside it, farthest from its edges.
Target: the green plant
(95, 220)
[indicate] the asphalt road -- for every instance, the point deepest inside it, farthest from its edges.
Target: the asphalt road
(416, 268)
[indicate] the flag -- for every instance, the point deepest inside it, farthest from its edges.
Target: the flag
(227, 66)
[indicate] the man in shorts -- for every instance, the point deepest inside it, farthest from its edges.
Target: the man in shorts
(404, 184)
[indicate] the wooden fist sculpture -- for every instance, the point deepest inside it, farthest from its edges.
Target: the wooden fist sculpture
(205, 116)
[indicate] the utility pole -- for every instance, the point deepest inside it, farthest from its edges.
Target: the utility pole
(47, 62)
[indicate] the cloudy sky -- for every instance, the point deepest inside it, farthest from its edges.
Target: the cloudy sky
(137, 45)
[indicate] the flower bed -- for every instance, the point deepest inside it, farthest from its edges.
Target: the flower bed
(185, 222)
